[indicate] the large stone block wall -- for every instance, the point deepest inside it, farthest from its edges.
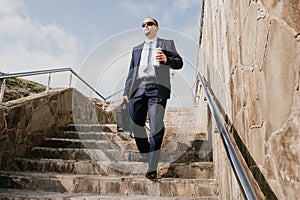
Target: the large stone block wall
(249, 53)
(24, 123)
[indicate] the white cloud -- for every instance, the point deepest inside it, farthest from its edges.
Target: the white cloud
(183, 5)
(137, 8)
(9, 7)
(26, 44)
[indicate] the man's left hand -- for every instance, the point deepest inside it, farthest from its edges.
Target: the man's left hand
(161, 57)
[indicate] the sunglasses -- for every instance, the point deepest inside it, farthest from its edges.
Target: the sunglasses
(148, 24)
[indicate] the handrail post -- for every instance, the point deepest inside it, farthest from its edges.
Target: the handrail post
(70, 80)
(91, 93)
(3, 86)
(48, 85)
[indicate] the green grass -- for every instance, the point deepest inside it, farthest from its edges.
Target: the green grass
(17, 88)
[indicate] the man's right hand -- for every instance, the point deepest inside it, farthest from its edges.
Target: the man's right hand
(125, 98)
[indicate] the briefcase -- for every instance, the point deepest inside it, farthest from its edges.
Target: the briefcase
(122, 117)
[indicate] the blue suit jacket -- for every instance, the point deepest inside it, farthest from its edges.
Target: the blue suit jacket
(162, 72)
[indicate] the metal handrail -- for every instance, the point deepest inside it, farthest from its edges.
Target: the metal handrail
(31, 73)
(39, 72)
(232, 154)
(118, 92)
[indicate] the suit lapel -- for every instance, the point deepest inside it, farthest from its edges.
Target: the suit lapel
(138, 54)
(159, 42)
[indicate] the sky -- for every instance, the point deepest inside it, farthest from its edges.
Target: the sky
(93, 37)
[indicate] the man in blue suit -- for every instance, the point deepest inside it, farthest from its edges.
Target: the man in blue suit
(147, 89)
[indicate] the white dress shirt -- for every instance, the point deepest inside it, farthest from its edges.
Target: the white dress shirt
(144, 59)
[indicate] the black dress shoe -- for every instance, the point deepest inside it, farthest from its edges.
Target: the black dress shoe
(151, 175)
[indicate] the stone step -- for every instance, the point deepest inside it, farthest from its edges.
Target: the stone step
(90, 144)
(116, 155)
(103, 185)
(94, 135)
(181, 129)
(79, 143)
(14, 194)
(183, 135)
(91, 127)
(180, 111)
(119, 144)
(180, 118)
(124, 135)
(181, 115)
(203, 170)
(171, 134)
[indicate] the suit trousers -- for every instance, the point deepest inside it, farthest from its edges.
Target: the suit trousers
(148, 100)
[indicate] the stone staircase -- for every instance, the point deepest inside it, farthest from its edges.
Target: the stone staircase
(98, 162)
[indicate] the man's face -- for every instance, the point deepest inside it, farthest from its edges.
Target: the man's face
(150, 28)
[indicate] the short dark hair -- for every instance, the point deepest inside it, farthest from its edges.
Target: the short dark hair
(155, 21)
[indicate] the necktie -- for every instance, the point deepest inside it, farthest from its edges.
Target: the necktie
(149, 69)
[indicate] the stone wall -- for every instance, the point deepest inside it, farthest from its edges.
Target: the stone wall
(249, 53)
(24, 123)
